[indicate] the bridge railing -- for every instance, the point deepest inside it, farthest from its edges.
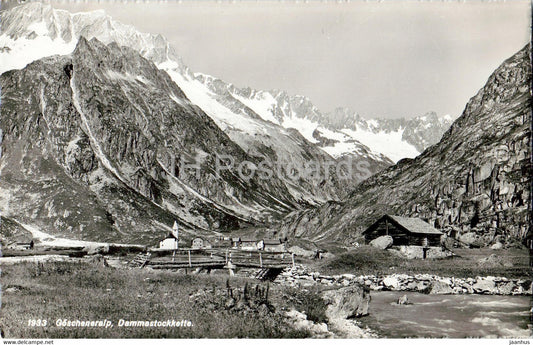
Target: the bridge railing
(203, 257)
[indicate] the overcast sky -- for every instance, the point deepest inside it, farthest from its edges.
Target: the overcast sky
(387, 59)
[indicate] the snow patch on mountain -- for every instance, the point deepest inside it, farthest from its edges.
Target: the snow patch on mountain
(305, 126)
(334, 135)
(262, 105)
(390, 144)
(32, 31)
(340, 149)
(114, 75)
(446, 118)
(202, 97)
(177, 100)
(394, 138)
(16, 54)
(53, 241)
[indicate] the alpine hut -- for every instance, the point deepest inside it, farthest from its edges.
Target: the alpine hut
(411, 234)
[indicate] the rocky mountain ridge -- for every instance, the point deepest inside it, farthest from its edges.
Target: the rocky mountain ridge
(139, 166)
(99, 145)
(29, 26)
(404, 138)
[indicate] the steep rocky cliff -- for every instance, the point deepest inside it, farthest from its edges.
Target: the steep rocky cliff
(476, 180)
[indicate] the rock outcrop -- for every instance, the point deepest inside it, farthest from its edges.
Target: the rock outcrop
(299, 321)
(347, 302)
(485, 286)
(440, 287)
(382, 242)
(391, 283)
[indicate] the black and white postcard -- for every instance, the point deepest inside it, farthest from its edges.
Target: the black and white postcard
(265, 169)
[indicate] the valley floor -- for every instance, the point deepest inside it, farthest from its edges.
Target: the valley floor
(466, 263)
(93, 288)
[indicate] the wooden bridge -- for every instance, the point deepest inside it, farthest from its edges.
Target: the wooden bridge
(270, 263)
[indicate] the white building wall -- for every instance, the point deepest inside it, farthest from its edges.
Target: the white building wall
(168, 243)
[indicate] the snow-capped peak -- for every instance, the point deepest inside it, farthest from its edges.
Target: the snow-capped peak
(35, 30)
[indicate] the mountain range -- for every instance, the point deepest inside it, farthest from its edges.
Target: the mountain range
(108, 136)
(34, 30)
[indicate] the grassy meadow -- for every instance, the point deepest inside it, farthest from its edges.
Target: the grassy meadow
(85, 291)
(510, 263)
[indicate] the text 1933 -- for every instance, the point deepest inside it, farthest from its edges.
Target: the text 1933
(37, 323)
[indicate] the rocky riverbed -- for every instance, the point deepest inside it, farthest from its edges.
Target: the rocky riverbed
(301, 276)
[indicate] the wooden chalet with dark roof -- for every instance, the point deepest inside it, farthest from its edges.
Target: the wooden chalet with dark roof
(404, 231)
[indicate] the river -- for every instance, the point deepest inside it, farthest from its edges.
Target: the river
(449, 316)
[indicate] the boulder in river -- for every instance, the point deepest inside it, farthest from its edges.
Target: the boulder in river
(403, 300)
(497, 245)
(506, 288)
(391, 283)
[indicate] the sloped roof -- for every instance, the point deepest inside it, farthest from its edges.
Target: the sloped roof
(205, 240)
(270, 241)
(170, 235)
(21, 238)
(20, 243)
(415, 225)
